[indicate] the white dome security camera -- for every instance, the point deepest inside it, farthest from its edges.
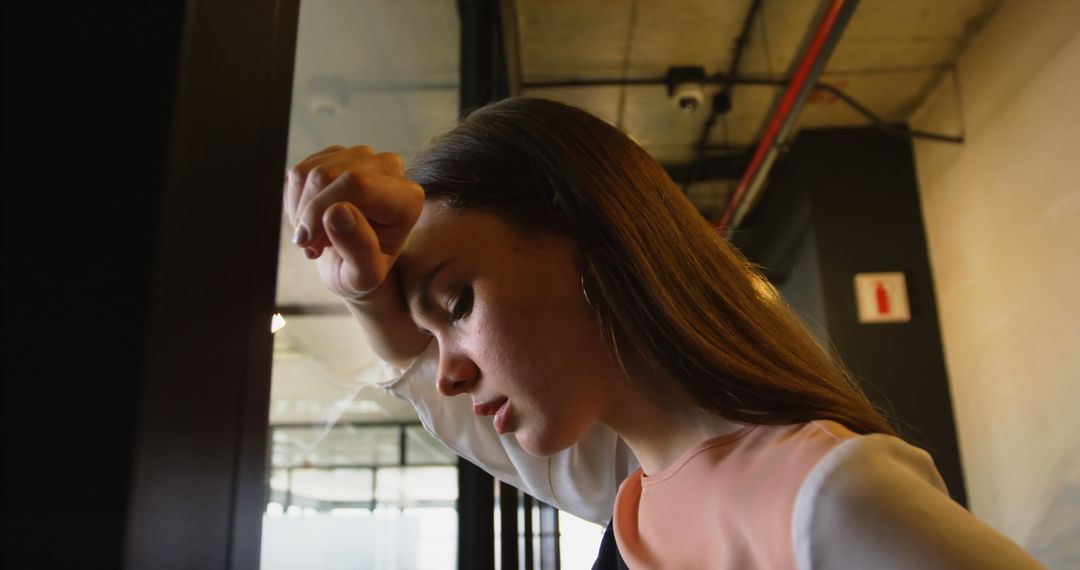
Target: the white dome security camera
(688, 96)
(686, 87)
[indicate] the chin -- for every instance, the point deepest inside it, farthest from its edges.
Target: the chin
(543, 445)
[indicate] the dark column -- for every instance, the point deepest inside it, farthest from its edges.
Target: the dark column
(476, 517)
(483, 62)
(845, 201)
(144, 146)
(483, 79)
(527, 532)
(508, 526)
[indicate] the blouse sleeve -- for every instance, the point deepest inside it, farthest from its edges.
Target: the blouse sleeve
(877, 502)
(581, 480)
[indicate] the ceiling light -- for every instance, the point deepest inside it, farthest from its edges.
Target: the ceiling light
(277, 323)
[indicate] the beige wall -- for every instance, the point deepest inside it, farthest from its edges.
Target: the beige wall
(1003, 222)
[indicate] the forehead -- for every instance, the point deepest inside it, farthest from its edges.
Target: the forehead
(444, 233)
(477, 241)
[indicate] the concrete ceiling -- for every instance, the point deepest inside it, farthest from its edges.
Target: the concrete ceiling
(385, 73)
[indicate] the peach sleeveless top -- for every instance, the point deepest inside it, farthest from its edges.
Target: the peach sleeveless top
(812, 496)
(726, 503)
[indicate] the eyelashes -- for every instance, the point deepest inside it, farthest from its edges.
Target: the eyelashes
(462, 305)
(457, 308)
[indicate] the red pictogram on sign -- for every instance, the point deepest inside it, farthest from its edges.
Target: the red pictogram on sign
(882, 299)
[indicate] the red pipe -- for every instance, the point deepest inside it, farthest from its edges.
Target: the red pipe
(787, 104)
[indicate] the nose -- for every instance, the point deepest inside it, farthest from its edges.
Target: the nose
(457, 374)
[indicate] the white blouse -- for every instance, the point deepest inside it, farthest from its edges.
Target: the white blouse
(581, 480)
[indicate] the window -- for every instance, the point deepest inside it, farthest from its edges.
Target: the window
(354, 480)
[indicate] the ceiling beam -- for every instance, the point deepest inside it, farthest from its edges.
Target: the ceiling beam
(315, 310)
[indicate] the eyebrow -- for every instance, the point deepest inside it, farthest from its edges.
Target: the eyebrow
(422, 291)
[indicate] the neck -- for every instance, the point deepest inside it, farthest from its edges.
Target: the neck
(660, 424)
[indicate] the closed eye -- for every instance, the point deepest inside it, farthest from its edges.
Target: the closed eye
(462, 305)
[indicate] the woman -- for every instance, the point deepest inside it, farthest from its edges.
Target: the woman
(567, 284)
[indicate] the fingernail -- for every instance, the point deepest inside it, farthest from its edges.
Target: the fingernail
(341, 220)
(301, 236)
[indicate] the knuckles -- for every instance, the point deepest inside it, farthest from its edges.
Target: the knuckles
(296, 175)
(390, 163)
(355, 179)
(318, 178)
(313, 174)
(310, 169)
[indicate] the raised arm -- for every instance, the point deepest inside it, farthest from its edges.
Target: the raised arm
(353, 210)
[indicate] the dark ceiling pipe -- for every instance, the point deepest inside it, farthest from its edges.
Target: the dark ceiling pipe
(615, 82)
(829, 29)
(802, 82)
(721, 102)
(718, 79)
(875, 120)
(740, 44)
(881, 123)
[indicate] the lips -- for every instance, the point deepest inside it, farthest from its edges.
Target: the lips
(498, 407)
(502, 418)
(490, 407)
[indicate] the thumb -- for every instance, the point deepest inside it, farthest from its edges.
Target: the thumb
(363, 267)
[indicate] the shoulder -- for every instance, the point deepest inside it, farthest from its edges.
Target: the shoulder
(860, 466)
(875, 501)
(784, 454)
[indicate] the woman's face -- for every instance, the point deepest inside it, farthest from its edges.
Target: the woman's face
(514, 330)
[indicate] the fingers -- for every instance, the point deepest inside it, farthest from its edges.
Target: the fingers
(390, 164)
(329, 149)
(391, 202)
(296, 178)
(362, 267)
(320, 173)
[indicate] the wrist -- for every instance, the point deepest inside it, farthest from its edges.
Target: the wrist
(382, 298)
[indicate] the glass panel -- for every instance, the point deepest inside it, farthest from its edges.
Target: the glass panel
(434, 486)
(579, 541)
(324, 518)
(330, 488)
(413, 487)
(382, 73)
(421, 448)
(323, 371)
(357, 538)
(338, 446)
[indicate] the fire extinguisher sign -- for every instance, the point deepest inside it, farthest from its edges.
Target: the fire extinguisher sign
(882, 298)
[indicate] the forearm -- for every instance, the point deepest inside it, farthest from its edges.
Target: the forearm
(387, 325)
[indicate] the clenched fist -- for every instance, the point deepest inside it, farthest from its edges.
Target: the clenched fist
(352, 210)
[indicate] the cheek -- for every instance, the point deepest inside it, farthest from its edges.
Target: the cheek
(549, 349)
(484, 338)
(548, 355)
(528, 331)
(503, 339)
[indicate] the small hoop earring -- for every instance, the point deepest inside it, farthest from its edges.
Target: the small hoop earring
(585, 291)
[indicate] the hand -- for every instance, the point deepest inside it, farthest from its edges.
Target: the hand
(352, 210)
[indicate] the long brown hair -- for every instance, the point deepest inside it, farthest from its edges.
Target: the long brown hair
(672, 290)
